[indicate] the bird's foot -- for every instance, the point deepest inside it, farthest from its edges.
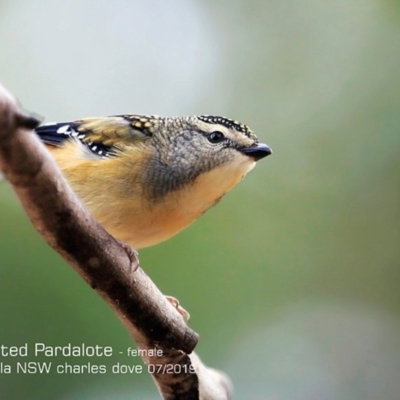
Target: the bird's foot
(175, 303)
(132, 254)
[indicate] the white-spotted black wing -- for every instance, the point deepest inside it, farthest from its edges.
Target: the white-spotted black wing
(57, 133)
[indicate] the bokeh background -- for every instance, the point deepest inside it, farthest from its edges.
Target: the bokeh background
(293, 279)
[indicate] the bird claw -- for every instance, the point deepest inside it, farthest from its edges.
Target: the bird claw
(132, 254)
(175, 303)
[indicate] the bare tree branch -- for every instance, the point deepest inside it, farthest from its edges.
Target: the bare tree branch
(102, 261)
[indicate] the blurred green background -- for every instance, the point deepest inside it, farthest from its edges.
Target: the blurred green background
(293, 279)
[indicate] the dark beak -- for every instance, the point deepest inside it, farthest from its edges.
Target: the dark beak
(257, 151)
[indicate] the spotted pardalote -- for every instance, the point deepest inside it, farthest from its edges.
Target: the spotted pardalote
(145, 178)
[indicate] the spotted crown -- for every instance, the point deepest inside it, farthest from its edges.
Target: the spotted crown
(229, 123)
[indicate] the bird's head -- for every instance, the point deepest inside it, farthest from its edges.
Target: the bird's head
(187, 147)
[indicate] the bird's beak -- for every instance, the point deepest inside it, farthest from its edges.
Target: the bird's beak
(257, 151)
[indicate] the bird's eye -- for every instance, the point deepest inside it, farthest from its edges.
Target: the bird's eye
(216, 137)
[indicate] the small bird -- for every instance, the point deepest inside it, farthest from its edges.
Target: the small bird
(145, 178)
